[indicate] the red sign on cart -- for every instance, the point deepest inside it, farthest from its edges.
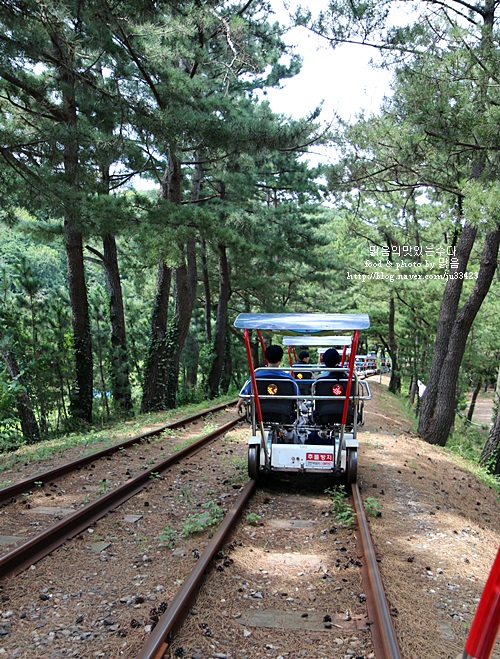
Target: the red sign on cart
(320, 457)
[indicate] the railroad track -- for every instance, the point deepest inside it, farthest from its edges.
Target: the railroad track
(379, 622)
(41, 543)
(323, 591)
(11, 491)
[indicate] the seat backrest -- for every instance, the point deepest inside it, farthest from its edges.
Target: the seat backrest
(305, 387)
(276, 409)
(329, 410)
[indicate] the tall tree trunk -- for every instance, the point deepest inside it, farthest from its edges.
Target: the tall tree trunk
(185, 280)
(206, 287)
(81, 396)
(490, 455)
(227, 369)
(29, 425)
(439, 420)
(195, 196)
(447, 317)
(413, 389)
(192, 362)
(100, 364)
(395, 381)
(475, 394)
(155, 371)
(119, 370)
(162, 371)
(215, 373)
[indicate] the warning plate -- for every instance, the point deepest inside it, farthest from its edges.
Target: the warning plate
(319, 460)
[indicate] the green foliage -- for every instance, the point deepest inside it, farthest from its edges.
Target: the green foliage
(181, 80)
(372, 506)
(10, 437)
(482, 203)
(340, 508)
(211, 516)
(467, 441)
(253, 519)
(168, 537)
(103, 487)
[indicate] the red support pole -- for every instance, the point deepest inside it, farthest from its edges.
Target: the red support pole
(486, 623)
(352, 356)
(252, 375)
(262, 346)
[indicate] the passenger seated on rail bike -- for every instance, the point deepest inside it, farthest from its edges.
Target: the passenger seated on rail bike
(332, 385)
(303, 375)
(332, 359)
(273, 411)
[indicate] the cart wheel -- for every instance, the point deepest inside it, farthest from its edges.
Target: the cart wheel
(351, 465)
(253, 462)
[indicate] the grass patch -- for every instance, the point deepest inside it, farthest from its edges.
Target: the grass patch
(104, 437)
(341, 508)
(467, 441)
(210, 516)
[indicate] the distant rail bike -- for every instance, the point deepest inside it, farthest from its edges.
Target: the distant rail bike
(307, 422)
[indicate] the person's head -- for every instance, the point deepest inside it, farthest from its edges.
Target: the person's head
(331, 358)
(304, 356)
(274, 354)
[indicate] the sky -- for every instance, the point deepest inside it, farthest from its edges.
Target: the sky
(342, 78)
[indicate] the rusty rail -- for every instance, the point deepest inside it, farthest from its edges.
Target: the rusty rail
(31, 551)
(158, 641)
(24, 485)
(383, 635)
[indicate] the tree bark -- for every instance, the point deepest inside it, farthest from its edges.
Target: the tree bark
(29, 425)
(490, 455)
(475, 394)
(192, 362)
(185, 280)
(162, 371)
(81, 396)
(439, 419)
(413, 389)
(447, 317)
(155, 371)
(119, 370)
(227, 370)
(216, 369)
(208, 296)
(395, 381)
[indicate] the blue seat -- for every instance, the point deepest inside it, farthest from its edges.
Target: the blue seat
(275, 409)
(329, 410)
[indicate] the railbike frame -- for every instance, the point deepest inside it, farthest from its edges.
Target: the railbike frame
(325, 322)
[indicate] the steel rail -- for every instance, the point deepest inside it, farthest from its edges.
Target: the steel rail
(383, 635)
(36, 548)
(158, 641)
(24, 485)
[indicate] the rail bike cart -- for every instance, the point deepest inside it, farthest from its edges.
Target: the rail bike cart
(322, 343)
(314, 430)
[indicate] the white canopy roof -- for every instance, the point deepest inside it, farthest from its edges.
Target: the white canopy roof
(303, 323)
(317, 341)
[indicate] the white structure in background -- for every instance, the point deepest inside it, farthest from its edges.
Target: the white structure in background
(421, 388)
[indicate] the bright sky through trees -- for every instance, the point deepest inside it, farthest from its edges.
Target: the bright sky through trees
(341, 78)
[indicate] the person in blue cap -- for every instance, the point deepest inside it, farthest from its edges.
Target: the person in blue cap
(274, 355)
